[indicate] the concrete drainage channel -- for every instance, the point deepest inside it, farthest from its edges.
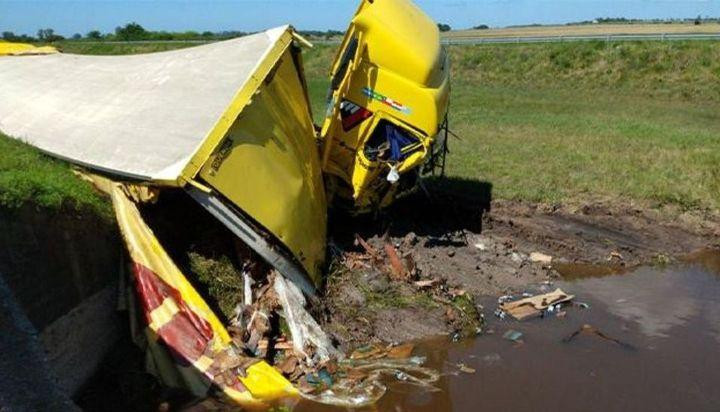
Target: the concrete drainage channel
(59, 291)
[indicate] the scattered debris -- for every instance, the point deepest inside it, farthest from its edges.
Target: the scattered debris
(410, 239)
(589, 330)
(513, 335)
(662, 259)
(355, 382)
(534, 306)
(581, 305)
(368, 249)
(505, 298)
(369, 351)
(401, 352)
(465, 369)
(304, 329)
(540, 257)
(398, 270)
(456, 292)
(403, 286)
(427, 283)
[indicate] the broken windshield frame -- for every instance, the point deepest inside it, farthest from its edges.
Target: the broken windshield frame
(348, 55)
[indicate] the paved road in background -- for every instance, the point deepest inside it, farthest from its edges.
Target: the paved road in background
(558, 39)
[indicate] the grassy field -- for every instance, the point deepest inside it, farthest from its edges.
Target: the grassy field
(571, 122)
(590, 29)
(557, 122)
(100, 48)
(29, 178)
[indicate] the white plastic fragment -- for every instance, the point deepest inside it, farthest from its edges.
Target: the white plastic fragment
(505, 298)
(247, 288)
(582, 305)
(393, 176)
(303, 327)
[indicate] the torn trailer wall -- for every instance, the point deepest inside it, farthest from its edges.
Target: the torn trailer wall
(187, 345)
(229, 121)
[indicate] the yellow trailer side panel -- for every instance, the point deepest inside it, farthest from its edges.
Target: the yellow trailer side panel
(267, 165)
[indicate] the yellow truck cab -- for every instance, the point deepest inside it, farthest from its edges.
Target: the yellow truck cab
(387, 104)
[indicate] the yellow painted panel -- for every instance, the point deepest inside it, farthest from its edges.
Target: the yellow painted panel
(401, 38)
(401, 74)
(20, 49)
(268, 166)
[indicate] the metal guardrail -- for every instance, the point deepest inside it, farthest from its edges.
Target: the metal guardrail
(559, 39)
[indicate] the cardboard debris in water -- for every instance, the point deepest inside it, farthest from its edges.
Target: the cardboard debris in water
(533, 306)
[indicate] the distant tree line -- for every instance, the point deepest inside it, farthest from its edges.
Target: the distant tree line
(622, 20)
(328, 34)
(135, 32)
(43, 35)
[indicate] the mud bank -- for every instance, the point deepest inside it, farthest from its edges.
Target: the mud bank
(464, 242)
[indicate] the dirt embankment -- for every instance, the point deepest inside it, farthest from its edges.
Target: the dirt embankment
(453, 247)
(462, 243)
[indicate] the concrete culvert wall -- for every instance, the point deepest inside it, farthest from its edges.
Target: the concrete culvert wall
(62, 268)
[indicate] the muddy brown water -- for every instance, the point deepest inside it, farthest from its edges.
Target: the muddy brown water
(668, 317)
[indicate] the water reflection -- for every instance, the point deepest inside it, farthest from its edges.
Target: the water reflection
(657, 300)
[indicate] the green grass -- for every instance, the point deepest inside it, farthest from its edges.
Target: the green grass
(28, 177)
(563, 122)
(679, 70)
(558, 145)
(100, 48)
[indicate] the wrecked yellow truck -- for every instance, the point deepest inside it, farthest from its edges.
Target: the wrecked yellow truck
(230, 123)
(387, 108)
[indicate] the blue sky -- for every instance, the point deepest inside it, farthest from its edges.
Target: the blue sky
(80, 16)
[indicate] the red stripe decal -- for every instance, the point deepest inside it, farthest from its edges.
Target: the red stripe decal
(187, 334)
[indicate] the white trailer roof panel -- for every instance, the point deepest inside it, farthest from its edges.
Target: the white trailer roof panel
(139, 116)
